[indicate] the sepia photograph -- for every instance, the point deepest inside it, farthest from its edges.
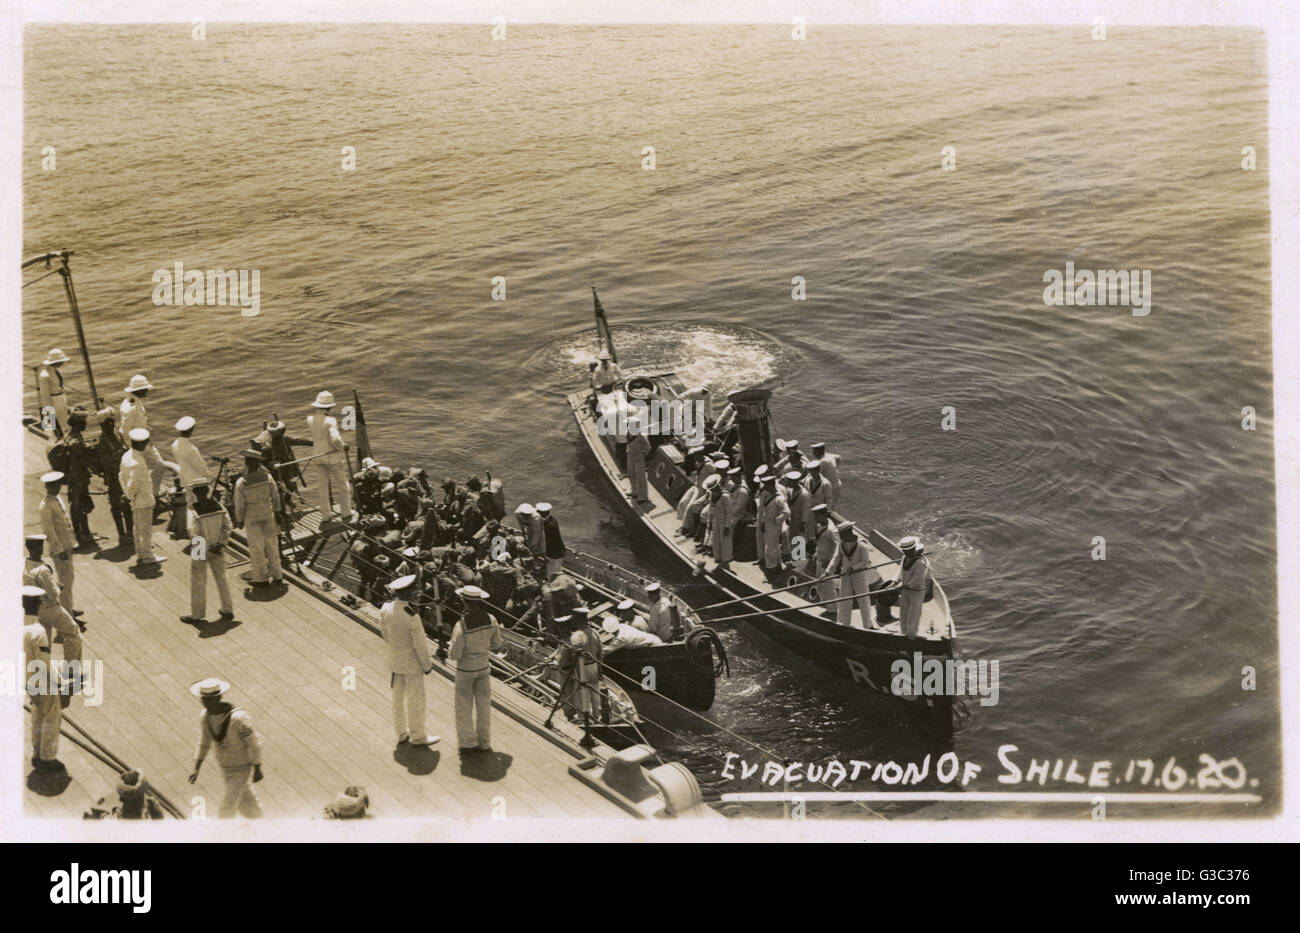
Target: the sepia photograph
(671, 422)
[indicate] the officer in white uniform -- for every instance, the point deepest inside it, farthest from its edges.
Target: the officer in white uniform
(852, 565)
(136, 481)
(135, 416)
(830, 470)
(329, 469)
(192, 465)
(257, 503)
(41, 683)
(62, 540)
(49, 382)
(239, 748)
(408, 660)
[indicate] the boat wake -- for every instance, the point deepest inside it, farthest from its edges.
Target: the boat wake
(721, 357)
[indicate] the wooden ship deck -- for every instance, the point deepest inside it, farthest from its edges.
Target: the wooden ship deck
(287, 660)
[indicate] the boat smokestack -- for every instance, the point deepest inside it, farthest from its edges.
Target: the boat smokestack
(755, 428)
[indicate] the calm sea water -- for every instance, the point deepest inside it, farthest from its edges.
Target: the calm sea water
(775, 158)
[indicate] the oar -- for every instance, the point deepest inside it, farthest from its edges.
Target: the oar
(828, 602)
(528, 671)
(742, 599)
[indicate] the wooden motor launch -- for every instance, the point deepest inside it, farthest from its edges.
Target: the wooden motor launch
(786, 608)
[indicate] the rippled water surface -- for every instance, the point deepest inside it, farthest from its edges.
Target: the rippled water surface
(774, 159)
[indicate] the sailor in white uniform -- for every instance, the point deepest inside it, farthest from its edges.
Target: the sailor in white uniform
(40, 681)
(134, 477)
(408, 661)
(192, 465)
(621, 635)
(660, 612)
(239, 748)
(134, 416)
(830, 470)
(49, 382)
(329, 468)
(824, 548)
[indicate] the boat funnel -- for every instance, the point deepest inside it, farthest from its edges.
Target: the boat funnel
(755, 428)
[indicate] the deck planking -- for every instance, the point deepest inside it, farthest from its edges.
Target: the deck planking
(285, 660)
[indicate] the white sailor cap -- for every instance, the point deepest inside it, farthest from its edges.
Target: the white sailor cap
(821, 508)
(625, 605)
(610, 624)
(713, 480)
(471, 592)
(911, 543)
(524, 509)
(139, 435)
(402, 583)
(201, 481)
(543, 507)
(411, 551)
(845, 526)
(581, 611)
(368, 462)
(735, 471)
(793, 476)
(185, 424)
(697, 449)
(33, 592)
(54, 476)
(766, 478)
(819, 445)
(762, 469)
(812, 464)
(211, 687)
(563, 620)
(32, 539)
(723, 464)
(652, 587)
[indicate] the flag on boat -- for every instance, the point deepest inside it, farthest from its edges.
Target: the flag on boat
(363, 439)
(602, 328)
